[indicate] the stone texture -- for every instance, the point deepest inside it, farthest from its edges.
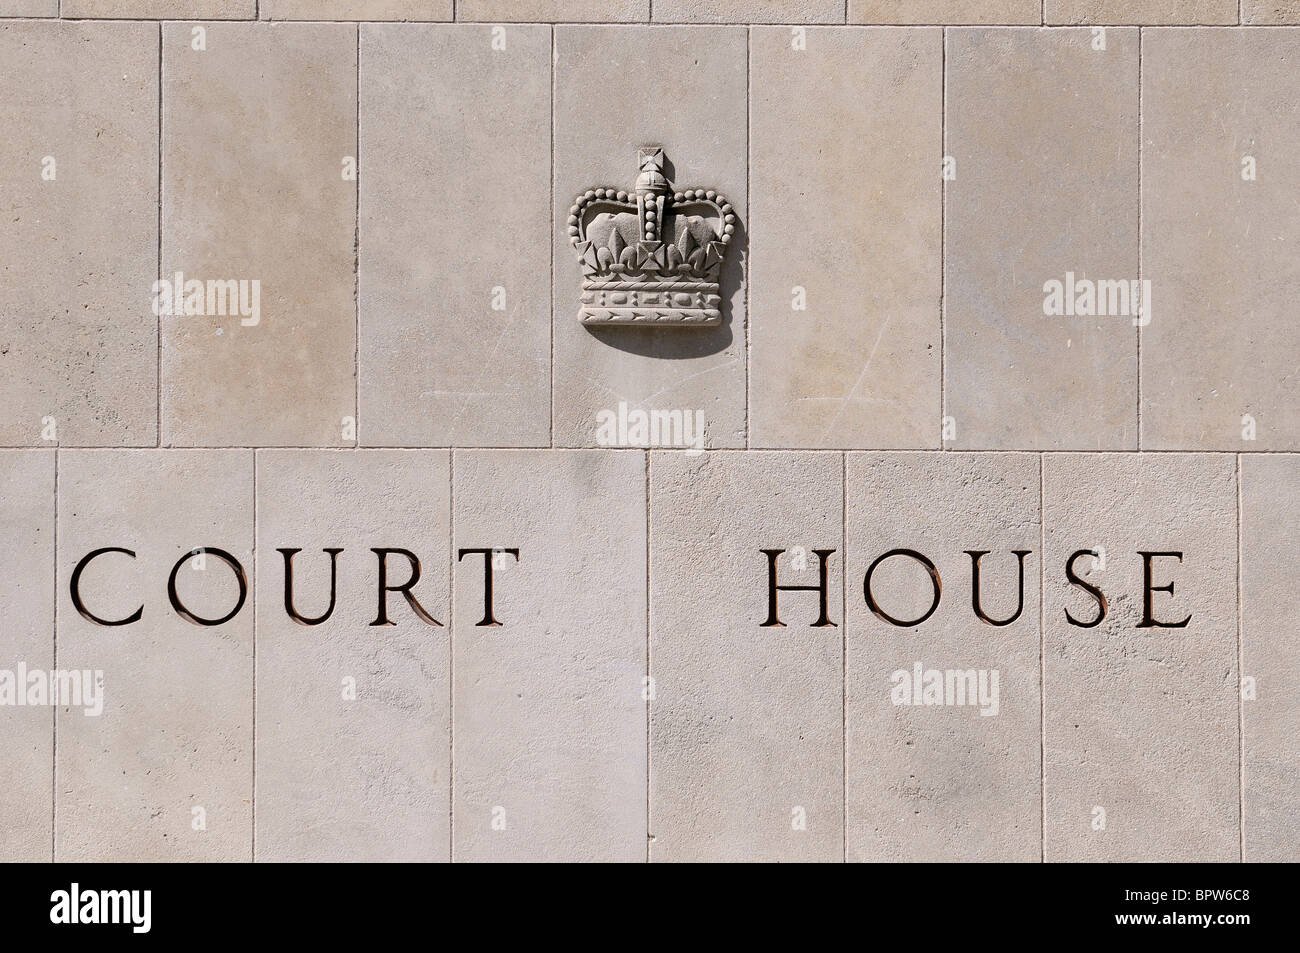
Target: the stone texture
(79, 252)
(176, 731)
(1270, 539)
(1142, 722)
(550, 724)
(254, 134)
(747, 721)
(552, 10)
(946, 11)
(860, 366)
(29, 8)
(455, 161)
(942, 783)
(356, 9)
(1048, 189)
(366, 777)
(749, 11)
(161, 9)
(1223, 342)
(1270, 11)
(683, 88)
(27, 594)
(377, 303)
(1140, 12)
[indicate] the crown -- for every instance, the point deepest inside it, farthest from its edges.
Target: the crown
(651, 256)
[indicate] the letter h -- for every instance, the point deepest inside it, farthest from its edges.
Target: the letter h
(773, 588)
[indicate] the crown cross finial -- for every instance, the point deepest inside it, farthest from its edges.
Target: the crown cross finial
(652, 178)
(651, 256)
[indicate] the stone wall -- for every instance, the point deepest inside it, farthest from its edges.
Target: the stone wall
(1010, 294)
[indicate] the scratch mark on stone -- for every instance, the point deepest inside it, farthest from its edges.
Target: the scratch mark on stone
(844, 402)
(489, 363)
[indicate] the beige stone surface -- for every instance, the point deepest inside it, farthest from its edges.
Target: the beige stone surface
(160, 9)
(419, 379)
(550, 723)
(455, 211)
(1141, 722)
(355, 9)
(78, 252)
(353, 770)
(1219, 358)
(1270, 11)
(1048, 189)
(29, 8)
(749, 11)
(255, 131)
(746, 733)
(946, 11)
(1140, 12)
(176, 732)
(859, 365)
(552, 10)
(27, 640)
(950, 782)
(682, 88)
(1270, 542)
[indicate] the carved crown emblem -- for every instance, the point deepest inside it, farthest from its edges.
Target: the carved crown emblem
(651, 256)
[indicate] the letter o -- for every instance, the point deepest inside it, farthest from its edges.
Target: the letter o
(934, 581)
(230, 561)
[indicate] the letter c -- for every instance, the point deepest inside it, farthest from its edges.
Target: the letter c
(75, 587)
